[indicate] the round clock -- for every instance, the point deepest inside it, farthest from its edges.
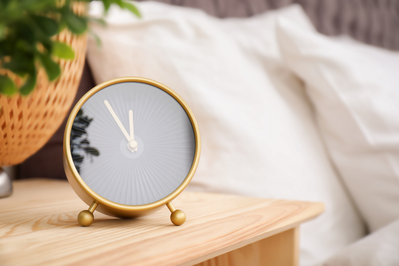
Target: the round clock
(131, 145)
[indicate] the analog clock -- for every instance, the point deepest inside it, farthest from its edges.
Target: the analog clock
(131, 145)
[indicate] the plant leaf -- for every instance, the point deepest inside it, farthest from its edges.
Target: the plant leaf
(92, 151)
(85, 141)
(2, 30)
(75, 24)
(132, 8)
(20, 64)
(53, 70)
(29, 85)
(83, 120)
(47, 44)
(77, 158)
(48, 25)
(7, 86)
(63, 50)
(24, 31)
(78, 130)
(62, 26)
(107, 4)
(39, 6)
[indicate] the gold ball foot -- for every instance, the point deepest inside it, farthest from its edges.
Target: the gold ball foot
(178, 217)
(85, 218)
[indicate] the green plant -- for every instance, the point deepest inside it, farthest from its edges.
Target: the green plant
(80, 144)
(27, 28)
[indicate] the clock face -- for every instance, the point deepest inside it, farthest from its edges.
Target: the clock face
(132, 143)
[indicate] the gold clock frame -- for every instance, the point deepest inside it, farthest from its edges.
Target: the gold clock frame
(101, 204)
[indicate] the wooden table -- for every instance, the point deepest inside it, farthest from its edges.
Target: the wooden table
(38, 227)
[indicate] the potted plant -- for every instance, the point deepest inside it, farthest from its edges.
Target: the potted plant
(42, 54)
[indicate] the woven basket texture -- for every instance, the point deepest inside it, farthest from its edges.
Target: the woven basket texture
(27, 122)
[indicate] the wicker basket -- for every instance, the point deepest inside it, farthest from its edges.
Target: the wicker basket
(27, 123)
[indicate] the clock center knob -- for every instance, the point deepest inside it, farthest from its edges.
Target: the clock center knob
(132, 145)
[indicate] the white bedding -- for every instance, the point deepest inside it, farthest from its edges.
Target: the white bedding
(377, 249)
(355, 90)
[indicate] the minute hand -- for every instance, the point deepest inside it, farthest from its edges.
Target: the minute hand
(117, 120)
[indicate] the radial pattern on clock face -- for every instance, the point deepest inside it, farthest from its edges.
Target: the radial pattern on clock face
(132, 143)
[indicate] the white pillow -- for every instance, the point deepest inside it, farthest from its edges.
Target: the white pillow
(379, 248)
(257, 129)
(355, 90)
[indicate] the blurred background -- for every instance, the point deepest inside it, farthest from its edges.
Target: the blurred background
(313, 87)
(374, 22)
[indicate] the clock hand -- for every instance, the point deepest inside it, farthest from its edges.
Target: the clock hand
(132, 145)
(131, 124)
(117, 120)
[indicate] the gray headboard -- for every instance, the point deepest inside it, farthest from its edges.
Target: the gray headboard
(374, 22)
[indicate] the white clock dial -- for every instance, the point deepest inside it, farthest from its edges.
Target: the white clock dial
(132, 143)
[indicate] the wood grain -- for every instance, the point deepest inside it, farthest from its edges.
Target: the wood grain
(38, 227)
(277, 250)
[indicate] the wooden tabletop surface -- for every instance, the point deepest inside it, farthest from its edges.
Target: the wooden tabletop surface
(38, 226)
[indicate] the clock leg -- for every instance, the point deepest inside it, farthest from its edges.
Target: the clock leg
(178, 217)
(85, 218)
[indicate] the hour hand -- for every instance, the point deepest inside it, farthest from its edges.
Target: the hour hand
(117, 120)
(132, 145)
